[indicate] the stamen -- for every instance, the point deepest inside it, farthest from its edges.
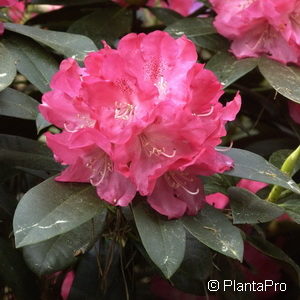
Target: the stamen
(83, 121)
(206, 114)
(224, 149)
(190, 192)
(176, 182)
(123, 110)
(66, 127)
(151, 150)
(100, 166)
(162, 86)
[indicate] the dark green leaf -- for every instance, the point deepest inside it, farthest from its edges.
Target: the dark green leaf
(23, 152)
(16, 104)
(7, 68)
(195, 268)
(68, 44)
(90, 284)
(284, 79)
(271, 250)
(167, 16)
(33, 61)
(163, 240)
(15, 273)
(52, 208)
(247, 208)
(217, 183)
(214, 230)
(252, 166)
(214, 42)
(8, 202)
(41, 123)
(61, 251)
(191, 27)
(107, 23)
(292, 208)
(228, 69)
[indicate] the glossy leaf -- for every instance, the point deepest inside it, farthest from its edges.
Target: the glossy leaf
(196, 266)
(68, 44)
(42, 213)
(22, 152)
(252, 166)
(214, 42)
(167, 16)
(63, 250)
(218, 183)
(284, 79)
(292, 208)
(191, 27)
(271, 250)
(16, 104)
(228, 69)
(163, 240)
(247, 208)
(89, 283)
(33, 61)
(15, 274)
(107, 23)
(213, 229)
(41, 123)
(7, 67)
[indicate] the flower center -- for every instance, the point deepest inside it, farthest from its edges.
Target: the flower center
(124, 110)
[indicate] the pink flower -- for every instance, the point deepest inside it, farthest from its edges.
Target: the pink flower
(67, 285)
(184, 8)
(260, 27)
(144, 117)
(8, 2)
(220, 200)
(16, 12)
(294, 110)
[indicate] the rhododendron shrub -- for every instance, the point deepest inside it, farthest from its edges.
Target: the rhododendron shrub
(142, 118)
(258, 27)
(149, 149)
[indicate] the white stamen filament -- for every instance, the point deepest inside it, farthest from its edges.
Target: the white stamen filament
(182, 182)
(225, 149)
(206, 114)
(190, 192)
(151, 150)
(100, 167)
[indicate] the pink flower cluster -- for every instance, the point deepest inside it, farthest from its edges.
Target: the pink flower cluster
(6, 3)
(261, 27)
(142, 118)
(184, 8)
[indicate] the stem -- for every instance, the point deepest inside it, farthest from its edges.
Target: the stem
(287, 168)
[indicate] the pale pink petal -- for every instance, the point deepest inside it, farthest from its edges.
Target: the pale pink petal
(251, 185)
(218, 200)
